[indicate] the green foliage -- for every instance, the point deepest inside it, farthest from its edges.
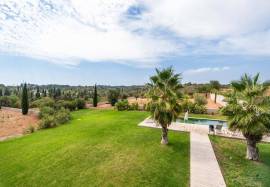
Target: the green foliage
(24, 101)
(10, 101)
(249, 108)
(95, 96)
(267, 83)
(199, 100)
(187, 105)
(45, 101)
(133, 106)
(164, 92)
(62, 116)
(47, 122)
(80, 103)
(113, 96)
(37, 93)
(122, 105)
(215, 85)
(249, 111)
(71, 105)
(198, 109)
(51, 117)
(205, 88)
(44, 111)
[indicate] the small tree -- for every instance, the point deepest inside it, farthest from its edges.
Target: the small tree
(113, 96)
(215, 87)
(24, 101)
(95, 96)
(205, 88)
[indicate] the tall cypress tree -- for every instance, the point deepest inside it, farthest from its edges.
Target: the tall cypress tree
(37, 93)
(24, 102)
(95, 96)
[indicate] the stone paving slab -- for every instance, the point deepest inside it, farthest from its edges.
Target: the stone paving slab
(204, 168)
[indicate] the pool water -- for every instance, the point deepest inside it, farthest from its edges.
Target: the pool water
(203, 121)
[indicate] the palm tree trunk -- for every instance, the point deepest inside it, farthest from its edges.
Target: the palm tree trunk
(164, 137)
(215, 97)
(252, 150)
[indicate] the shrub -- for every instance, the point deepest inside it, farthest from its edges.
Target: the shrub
(46, 101)
(187, 105)
(71, 105)
(122, 105)
(62, 116)
(51, 117)
(113, 96)
(199, 99)
(133, 106)
(44, 111)
(47, 122)
(10, 101)
(199, 109)
(80, 103)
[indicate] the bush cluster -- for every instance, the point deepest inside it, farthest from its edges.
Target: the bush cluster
(198, 107)
(51, 117)
(67, 104)
(10, 101)
(46, 101)
(124, 105)
(200, 100)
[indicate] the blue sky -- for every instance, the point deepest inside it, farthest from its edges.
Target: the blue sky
(80, 42)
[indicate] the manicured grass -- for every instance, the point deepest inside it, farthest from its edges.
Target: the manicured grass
(97, 148)
(236, 169)
(207, 116)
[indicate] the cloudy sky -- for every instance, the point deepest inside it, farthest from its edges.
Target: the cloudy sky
(120, 42)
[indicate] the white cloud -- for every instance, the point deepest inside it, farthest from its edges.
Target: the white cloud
(206, 70)
(214, 27)
(68, 31)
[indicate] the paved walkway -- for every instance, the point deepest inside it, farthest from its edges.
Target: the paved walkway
(204, 168)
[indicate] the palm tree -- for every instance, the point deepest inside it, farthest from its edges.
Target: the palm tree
(249, 112)
(164, 94)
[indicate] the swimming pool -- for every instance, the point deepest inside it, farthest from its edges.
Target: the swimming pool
(200, 121)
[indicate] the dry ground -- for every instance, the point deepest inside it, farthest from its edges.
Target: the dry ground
(13, 123)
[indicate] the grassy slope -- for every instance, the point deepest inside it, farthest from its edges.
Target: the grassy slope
(236, 169)
(101, 148)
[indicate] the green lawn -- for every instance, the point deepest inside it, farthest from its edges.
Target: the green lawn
(97, 148)
(236, 169)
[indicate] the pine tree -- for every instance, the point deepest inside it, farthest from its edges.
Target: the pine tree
(24, 102)
(95, 96)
